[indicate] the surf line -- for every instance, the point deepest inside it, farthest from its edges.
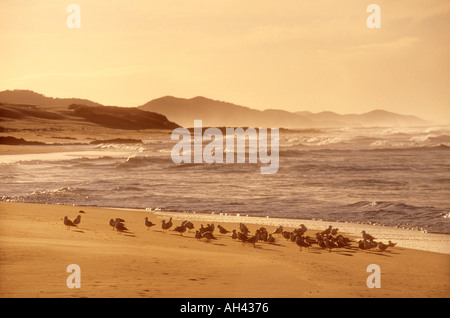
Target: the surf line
(235, 141)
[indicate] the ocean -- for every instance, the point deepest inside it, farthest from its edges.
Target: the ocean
(396, 177)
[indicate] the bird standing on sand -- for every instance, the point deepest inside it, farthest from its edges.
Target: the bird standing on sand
(361, 245)
(270, 239)
(242, 237)
(286, 234)
(68, 222)
(367, 237)
(77, 220)
(166, 225)
(328, 230)
(208, 236)
(263, 234)
(329, 244)
(278, 230)
(119, 226)
(234, 235)
(198, 236)
(303, 227)
(148, 223)
(222, 230)
(209, 228)
(244, 229)
(180, 229)
(251, 240)
(391, 244)
(382, 246)
(189, 225)
(300, 241)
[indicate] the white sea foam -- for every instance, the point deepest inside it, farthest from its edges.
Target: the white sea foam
(57, 156)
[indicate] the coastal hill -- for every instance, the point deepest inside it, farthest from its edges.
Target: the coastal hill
(28, 109)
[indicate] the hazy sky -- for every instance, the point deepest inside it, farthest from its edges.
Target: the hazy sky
(285, 54)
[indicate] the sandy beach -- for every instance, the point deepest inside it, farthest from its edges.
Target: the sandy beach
(37, 248)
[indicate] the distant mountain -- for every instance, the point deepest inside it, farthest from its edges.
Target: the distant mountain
(215, 113)
(373, 118)
(19, 96)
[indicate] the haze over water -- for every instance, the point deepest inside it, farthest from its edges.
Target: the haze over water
(389, 176)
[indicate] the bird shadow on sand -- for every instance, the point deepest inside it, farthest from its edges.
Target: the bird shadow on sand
(78, 231)
(380, 254)
(130, 234)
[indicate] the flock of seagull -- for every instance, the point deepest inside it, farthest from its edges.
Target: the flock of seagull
(327, 239)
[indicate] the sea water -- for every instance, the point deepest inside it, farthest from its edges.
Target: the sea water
(387, 176)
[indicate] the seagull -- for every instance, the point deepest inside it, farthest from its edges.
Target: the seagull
(327, 231)
(279, 230)
(303, 227)
(271, 239)
(198, 236)
(68, 222)
(329, 244)
(222, 230)
(252, 240)
(392, 244)
(169, 224)
(181, 229)
(310, 241)
(321, 242)
(367, 237)
(208, 236)
(166, 226)
(370, 244)
(341, 242)
(234, 235)
(301, 242)
(111, 222)
(81, 211)
(382, 246)
(244, 229)
(293, 236)
(120, 226)
(148, 223)
(361, 245)
(241, 237)
(334, 231)
(209, 228)
(77, 220)
(263, 234)
(286, 234)
(189, 225)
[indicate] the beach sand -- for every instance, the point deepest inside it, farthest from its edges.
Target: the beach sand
(37, 248)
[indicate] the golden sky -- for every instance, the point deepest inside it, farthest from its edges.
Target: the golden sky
(286, 54)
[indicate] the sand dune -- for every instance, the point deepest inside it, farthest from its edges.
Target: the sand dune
(36, 249)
